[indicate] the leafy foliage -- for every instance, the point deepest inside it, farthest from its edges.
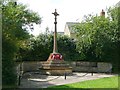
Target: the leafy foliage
(67, 47)
(98, 37)
(16, 19)
(39, 48)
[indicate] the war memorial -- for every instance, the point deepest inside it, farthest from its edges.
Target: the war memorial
(55, 65)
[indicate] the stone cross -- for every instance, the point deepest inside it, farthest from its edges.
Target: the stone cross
(55, 50)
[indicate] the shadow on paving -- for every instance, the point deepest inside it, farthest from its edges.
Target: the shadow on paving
(42, 82)
(34, 81)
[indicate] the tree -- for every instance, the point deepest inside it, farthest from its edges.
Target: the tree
(67, 47)
(39, 48)
(16, 20)
(98, 37)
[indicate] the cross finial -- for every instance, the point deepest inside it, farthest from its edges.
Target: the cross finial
(55, 13)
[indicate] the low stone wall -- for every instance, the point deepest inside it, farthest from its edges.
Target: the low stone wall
(104, 67)
(76, 66)
(31, 66)
(91, 66)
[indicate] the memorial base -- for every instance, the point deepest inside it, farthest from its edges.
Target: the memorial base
(56, 66)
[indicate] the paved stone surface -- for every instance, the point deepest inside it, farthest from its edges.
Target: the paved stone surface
(44, 81)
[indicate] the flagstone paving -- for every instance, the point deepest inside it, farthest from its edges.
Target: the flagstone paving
(44, 81)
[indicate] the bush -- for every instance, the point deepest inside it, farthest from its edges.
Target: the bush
(39, 48)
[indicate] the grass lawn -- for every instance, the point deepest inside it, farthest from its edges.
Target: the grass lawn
(110, 82)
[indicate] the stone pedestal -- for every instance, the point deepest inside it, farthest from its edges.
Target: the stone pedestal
(55, 65)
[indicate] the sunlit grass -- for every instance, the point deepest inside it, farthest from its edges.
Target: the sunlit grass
(108, 82)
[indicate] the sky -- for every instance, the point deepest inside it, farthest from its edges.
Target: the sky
(68, 10)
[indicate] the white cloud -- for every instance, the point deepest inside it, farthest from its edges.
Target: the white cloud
(69, 10)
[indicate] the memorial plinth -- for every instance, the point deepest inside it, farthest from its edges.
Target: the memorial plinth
(55, 65)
